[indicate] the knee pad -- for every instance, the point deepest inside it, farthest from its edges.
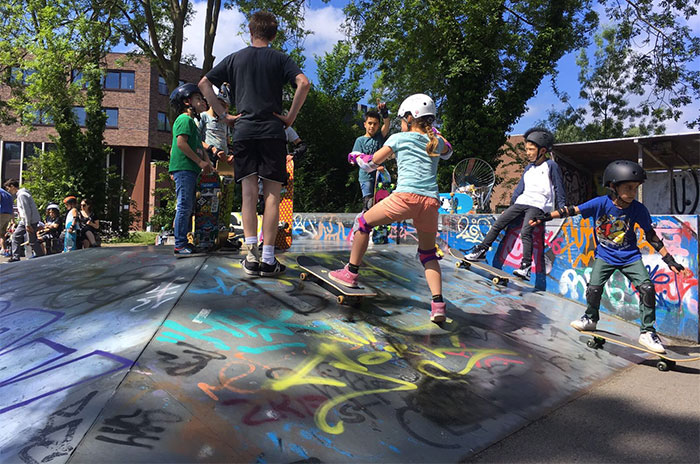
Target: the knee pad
(426, 256)
(647, 294)
(361, 225)
(593, 295)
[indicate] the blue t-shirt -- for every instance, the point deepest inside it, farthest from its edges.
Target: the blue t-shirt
(6, 202)
(368, 145)
(416, 169)
(614, 229)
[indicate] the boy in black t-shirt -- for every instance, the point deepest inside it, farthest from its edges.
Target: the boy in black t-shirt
(257, 75)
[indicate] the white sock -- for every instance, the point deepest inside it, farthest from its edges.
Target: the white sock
(268, 254)
(251, 240)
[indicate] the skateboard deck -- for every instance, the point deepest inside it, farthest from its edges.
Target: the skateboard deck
(284, 234)
(455, 203)
(497, 276)
(206, 211)
(318, 273)
(228, 184)
(667, 360)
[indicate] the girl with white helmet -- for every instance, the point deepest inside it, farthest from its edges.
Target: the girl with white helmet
(417, 148)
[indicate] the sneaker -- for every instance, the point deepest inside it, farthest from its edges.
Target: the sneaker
(13, 260)
(477, 253)
(522, 273)
(651, 341)
(271, 270)
(584, 323)
(251, 265)
(186, 252)
(344, 277)
(437, 312)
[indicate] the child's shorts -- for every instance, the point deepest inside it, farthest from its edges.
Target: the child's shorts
(400, 206)
(266, 158)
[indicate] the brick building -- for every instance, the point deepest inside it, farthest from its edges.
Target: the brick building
(136, 103)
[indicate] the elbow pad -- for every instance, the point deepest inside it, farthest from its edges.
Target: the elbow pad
(655, 241)
(448, 153)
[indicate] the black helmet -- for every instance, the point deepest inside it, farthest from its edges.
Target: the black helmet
(623, 171)
(541, 137)
(179, 95)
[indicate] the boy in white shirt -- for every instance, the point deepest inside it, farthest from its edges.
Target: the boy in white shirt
(540, 190)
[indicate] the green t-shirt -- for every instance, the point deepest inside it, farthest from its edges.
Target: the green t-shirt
(368, 145)
(185, 125)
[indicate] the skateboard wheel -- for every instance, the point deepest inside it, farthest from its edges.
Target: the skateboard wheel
(662, 366)
(599, 341)
(592, 344)
(458, 264)
(496, 280)
(218, 194)
(198, 195)
(303, 276)
(340, 299)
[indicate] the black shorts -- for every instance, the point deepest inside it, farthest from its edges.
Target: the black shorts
(265, 158)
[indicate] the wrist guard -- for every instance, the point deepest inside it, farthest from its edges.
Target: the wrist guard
(565, 211)
(654, 240)
(384, 112)
(352, 156)
(299, 151)
(668, 259)
(365, 163)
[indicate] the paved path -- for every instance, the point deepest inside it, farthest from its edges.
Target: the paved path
(128, 355)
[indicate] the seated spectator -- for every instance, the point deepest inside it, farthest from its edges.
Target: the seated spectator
(50, 234)
(90, 227)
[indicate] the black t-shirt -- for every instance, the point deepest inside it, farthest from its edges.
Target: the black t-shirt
(257, 76)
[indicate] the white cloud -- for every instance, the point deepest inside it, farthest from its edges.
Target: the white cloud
(227, 40)
(324, 23)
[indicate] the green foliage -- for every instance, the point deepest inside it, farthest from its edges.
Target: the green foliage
(136, 238)
(607, 86)
(45, 43)
(329, 124)
(480, 61)
(165, 199)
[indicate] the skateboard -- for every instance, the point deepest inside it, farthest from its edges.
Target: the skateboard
(284, 234)
(205, 235)
(455, 203)
(319, 274)
(382, 189)
(667, 360)
(228, 184)
(497, 276)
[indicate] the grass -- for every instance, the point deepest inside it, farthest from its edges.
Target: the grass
(135, 238)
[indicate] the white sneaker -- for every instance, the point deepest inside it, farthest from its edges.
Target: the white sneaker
(584, 323)
(477, 254)
(651, 341)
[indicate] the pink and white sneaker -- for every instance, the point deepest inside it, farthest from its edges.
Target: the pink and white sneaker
(437, 312)
(344, 277)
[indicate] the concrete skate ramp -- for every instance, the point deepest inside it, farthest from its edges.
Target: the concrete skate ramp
(129, 355)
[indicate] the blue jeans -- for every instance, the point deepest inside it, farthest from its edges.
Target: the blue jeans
(185, 185)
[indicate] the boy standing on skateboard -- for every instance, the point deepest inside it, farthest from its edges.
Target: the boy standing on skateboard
(186, 161)
(368, 144)
(540, 190)
(614, 216)
(257, 75)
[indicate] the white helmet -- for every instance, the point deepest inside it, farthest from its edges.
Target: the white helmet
(224, 93)
(418, 105)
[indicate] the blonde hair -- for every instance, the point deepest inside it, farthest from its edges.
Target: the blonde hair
(425, 124)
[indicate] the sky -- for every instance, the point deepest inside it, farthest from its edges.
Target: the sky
(325, 19)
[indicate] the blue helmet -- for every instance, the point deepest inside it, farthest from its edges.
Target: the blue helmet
(179, 95)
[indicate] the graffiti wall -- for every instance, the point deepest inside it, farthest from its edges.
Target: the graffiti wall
(566, 251)
(338, 228)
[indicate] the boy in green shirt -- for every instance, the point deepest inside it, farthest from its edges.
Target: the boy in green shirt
(187, 159)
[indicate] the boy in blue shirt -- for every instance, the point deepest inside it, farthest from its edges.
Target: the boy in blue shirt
(540, 190)
(614, 216)
(368, 144)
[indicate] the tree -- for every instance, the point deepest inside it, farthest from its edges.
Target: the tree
(481, 61)
(329, 124)
(43, 45)
(607, 86)
(662, 52)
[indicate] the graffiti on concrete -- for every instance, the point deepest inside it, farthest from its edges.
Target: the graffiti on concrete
(128, 429)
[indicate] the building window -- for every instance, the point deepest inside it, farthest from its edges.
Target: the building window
(162, 86)
(31, 150)
(12, 151)
(20, 76)
(119, 80)
(79, 113)
(42, 119)
(77, 78)
(112, 117)
(163, 122)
